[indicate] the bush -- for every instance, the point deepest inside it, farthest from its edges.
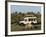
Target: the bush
(36, 23)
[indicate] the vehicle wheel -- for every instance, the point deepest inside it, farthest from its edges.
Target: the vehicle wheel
(22, 24)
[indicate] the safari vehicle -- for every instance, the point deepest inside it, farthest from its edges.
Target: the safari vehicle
(29, 20)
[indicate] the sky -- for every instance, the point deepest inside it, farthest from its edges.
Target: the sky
(20, 8)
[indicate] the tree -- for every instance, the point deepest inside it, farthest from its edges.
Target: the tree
(16, 12)
(20, 12)
(38, 13)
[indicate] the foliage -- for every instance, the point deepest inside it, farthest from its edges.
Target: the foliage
(16, 17)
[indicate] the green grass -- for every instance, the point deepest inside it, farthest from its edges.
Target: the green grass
(16, 27)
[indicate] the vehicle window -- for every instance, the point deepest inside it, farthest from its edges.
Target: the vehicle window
(34, 19)
(25, 19)
(30, 19)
